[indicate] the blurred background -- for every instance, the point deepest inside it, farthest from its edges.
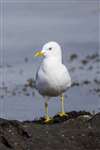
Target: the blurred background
(26, 26)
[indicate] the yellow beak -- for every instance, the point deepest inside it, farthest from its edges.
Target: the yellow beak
(39, 54)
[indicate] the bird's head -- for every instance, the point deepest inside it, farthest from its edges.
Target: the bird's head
(50, 49)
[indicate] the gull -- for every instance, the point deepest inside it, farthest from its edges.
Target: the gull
(52, 77)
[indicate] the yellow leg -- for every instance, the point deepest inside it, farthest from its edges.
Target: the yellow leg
(62, 113)
(47, 118)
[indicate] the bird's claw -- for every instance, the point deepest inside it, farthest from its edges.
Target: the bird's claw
(47, 120)
(62, 114)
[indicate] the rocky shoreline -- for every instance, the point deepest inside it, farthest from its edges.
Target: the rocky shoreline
(79, 131)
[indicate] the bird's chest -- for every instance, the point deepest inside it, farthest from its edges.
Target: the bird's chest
(51, 76)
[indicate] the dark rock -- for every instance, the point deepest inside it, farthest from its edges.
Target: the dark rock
(5, 142)
(77, 131)
(73, 57)
(95, 121)
(84, 62)
(75, 84)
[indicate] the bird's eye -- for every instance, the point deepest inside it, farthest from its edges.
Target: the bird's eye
(50, 48)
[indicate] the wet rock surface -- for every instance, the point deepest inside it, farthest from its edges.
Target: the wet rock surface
(78, 131)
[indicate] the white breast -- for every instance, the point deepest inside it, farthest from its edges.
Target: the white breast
(52, 79)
